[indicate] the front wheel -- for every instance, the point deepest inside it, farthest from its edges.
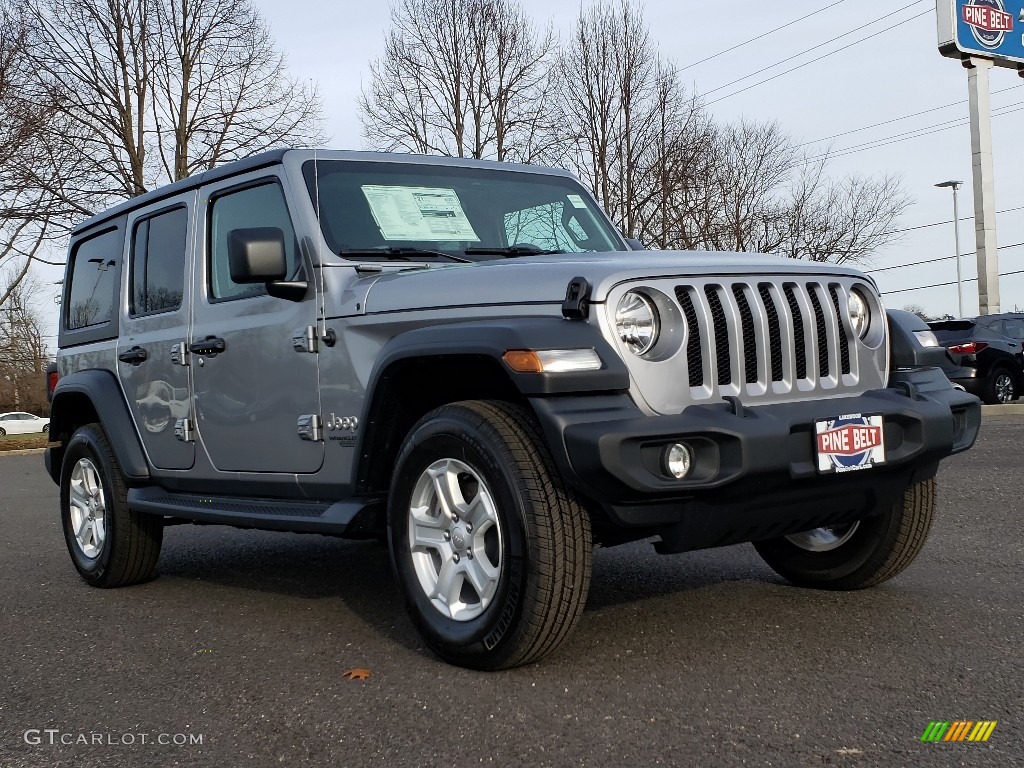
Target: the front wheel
(860, 554)
(491, 551)
(110, 545)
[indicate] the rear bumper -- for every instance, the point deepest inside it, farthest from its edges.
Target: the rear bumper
(755, 466)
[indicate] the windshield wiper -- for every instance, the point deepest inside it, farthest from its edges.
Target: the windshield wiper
(511, 251)
(402, 253)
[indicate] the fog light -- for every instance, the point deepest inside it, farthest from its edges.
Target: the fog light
(678, 460)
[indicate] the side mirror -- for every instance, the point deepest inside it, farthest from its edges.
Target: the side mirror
(256, 255)
(635, 244)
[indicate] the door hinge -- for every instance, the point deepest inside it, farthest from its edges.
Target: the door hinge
(311, 427)
(305, 339)
(179, 353)
(184, 431)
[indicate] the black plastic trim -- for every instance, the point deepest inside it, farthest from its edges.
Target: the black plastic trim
(101, 388)
(905, 351)
(495, 337)
(337, 518)
(236, 168)
(604, 445)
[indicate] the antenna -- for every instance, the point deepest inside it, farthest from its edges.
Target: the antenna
(319, 235)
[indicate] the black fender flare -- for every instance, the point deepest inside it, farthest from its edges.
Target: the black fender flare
(905, 351)
(492, 338)
(100, 389)
(483, 340)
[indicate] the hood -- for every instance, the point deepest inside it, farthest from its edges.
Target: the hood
(543, 279)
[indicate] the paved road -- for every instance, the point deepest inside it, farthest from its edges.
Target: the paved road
(705, 659)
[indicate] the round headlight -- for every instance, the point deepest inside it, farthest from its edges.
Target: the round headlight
(860, 313)
(636, 322)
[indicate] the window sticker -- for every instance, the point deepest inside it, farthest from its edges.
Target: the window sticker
(577, 201)
(418, 213)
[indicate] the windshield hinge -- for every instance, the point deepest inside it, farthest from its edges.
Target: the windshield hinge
(577, 299)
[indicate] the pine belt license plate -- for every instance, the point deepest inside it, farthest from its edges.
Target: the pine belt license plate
(848, 443)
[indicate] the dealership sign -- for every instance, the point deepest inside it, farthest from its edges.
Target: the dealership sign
(993, 29)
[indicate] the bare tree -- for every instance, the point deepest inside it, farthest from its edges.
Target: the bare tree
(23, 350)
(29, 217)
(918, 310)
(221, 91)
(465, 78)
(755, 192)
(627, 127)
(150, 91)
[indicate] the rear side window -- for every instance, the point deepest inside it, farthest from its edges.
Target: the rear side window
(94, 277)
(1014, 328)
(259, 206)
(158, 262)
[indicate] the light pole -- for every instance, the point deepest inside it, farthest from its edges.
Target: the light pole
(956, 234)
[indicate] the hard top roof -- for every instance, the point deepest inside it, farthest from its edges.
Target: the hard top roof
(276, 156)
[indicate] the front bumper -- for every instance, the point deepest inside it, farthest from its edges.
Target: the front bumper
(753, 465)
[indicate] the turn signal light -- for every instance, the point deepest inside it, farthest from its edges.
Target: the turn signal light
(552, 360)
(968, 348)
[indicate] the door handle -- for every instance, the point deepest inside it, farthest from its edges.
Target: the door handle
(135, 356)
(209, 346)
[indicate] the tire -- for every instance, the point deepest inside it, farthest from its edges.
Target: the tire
(1000, 387)
(519, 596)
(859, 555)
(46, 429)
(115, 547)
(3, 432)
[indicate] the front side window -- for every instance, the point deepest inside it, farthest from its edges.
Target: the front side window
(465, 212)
(158, 262)
(94, 277)
(258, 206)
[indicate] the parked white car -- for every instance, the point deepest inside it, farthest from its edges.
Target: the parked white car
(21, 423)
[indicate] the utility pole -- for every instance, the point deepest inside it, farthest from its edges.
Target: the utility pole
(984, 184)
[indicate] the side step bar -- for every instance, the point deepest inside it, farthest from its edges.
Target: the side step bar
(353, 518)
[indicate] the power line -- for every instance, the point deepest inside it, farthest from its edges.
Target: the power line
(909, 135)
(808, 50)
(898, 119)
(812, 61)
(951, 282)
(760, 36)
(950, 221)
(938, 258)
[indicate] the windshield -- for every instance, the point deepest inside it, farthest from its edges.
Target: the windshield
(469, 213)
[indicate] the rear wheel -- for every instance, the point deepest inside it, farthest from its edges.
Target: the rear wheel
(1001, 387)
(110, 545)
(860, 554)
(3, 432)
(492, 552)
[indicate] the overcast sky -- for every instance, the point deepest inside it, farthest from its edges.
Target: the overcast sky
(895, 73)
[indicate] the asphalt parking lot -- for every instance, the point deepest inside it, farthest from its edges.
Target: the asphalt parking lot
(706, 659)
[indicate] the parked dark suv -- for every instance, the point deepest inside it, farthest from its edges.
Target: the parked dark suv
(987, 363)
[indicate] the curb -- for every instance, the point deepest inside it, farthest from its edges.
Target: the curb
(23, 452)
(1008, 409)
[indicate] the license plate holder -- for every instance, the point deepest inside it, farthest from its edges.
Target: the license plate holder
(849, 443)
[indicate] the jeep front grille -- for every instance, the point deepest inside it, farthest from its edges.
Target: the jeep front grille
(722, 327)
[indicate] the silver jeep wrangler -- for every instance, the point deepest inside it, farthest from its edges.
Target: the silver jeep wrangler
(467, 359)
